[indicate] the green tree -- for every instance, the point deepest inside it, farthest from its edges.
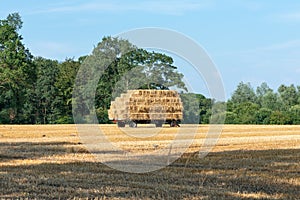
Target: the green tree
(263, 116)
(298, 94)
(205, 105)
(271, 100)
(64, 85)
(218, 111)
(294, 113)
(17, 73)
(242, 105)
(46, 92)
(231, 118)
(243, 93)
(288, 95)
(191, 108)
(14, 20)
(263, 89)
(261, 92)
(140, 69)
(110, 56)
(246, 113)
(281, 118)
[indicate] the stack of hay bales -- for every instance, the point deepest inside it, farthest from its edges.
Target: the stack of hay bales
(147, 105)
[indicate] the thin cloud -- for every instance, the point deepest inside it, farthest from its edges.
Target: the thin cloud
(162, 7)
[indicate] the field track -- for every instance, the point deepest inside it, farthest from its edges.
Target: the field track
(248, 162)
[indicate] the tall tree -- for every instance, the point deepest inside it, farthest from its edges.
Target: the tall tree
(246, 113)
(103, 61)
(294, 113)
(17, 73)
(261, 92)
(244, 93)
(288, 95)
(263, 116)
(46, 92)
(192, 108)
(14, 20)
(149, 70)
(64, 84)
(298, 94)
(263, 89)
(280, 117)
(271, 100)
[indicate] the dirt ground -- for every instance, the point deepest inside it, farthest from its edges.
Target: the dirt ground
(247, 162)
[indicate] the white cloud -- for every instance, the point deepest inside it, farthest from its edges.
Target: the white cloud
(163, 7)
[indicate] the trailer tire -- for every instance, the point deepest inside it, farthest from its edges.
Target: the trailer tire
(174, 123)
(121, 124)
(132, 124)
(158, 123)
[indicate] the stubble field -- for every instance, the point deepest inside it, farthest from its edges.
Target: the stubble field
(248, 162)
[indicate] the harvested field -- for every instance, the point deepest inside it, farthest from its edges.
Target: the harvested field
(248, 162)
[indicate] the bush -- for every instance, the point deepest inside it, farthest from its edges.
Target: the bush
(263, 116)
(65, 120)
(280, 118)
(294, 114)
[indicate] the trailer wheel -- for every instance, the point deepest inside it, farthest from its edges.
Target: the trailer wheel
(174, 123)
(158, 123)
(132, 124)
(121, 124)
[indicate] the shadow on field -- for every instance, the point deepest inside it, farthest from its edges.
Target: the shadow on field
(265, 174)
(31, 150)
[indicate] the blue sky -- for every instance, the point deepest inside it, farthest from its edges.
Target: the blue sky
(249, 40)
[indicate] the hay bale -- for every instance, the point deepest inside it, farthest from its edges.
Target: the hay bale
(147, 105)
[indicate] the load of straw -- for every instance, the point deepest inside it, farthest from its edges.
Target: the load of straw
(147, 105)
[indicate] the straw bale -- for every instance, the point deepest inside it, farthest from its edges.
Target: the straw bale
(147, 105)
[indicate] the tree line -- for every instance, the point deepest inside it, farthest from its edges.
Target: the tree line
(247, 105)
(264, 105)
(37, 90)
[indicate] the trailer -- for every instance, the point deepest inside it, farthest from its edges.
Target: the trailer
(145, 107)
